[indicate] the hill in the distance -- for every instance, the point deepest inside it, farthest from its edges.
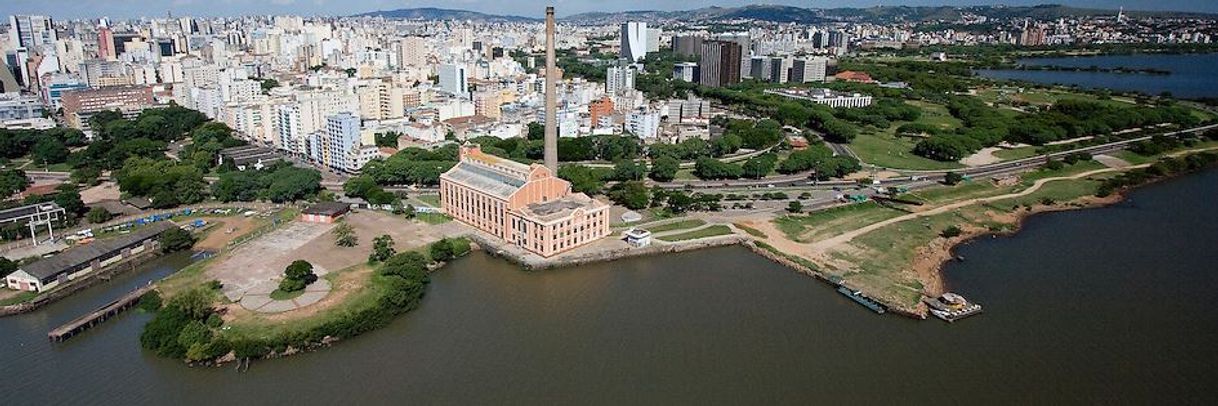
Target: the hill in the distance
(788, 14)
(431, 13)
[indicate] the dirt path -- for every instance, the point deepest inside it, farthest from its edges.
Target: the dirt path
(822, 246)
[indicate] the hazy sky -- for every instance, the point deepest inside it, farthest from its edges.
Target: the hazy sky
(137, 8)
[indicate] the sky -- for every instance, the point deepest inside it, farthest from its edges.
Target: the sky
(67, 9)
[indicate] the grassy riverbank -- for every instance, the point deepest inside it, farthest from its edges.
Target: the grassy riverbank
(198, 324)
(893, 253)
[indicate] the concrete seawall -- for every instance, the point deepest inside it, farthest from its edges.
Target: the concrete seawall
(533, 262)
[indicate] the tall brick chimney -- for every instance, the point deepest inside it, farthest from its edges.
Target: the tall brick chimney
(551, 139)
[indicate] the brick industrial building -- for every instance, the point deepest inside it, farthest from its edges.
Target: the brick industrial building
(525, 205)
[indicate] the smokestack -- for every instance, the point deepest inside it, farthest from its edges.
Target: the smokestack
(551, 140)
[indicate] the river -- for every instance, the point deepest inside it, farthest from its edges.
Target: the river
(1112, 305)
(1192, 75)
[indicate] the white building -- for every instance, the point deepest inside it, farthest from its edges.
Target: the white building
(825, 96)
(686, 71)
(806, 70)
(618, 79)
(643, 123)
(454, 80)
(341, 143)
(634, 41)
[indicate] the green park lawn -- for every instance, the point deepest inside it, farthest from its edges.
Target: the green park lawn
(712, 231)
(430, 200)
(676, 225)
(884, 149)
(831, 222)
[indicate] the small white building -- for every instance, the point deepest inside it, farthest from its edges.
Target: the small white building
(638, 238)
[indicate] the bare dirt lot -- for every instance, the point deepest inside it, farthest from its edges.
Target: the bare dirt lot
(224, 229)
(265, 258)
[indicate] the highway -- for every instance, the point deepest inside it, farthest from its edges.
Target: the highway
(1000, 168)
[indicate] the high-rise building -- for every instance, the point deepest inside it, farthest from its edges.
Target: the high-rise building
(780, 69)
(838, 39)
(759, 68)
(804, 70)
(653, 39)
(643, 123)
(80, 105)
(634, 41)
(412, 51)
(619, 79)
(105, 44)
(600, 108)
(454, 80)
(719, 64)
(687, 45)
(685, 71)
(341, 143)
(31, 31)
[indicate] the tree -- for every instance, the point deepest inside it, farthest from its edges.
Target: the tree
(7, 267)
(711, 168)
(175, 239)
(795, 207)
(86, 175)
(98, 215)
(165, 183)
(68, 198)
(268, 84)
(297, 275)
(759, 166)
(952, 178)
(387, 139)
(382, 249)
(664, 168)
(634, 195)
(49, 151)
(442, 250)
(583, 179)
(726, 144)
(625, 170)
(11, 182)
(951, 232)
(344, 236)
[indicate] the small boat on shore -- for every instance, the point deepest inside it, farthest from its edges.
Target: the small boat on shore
(951, 307)
(858, 297)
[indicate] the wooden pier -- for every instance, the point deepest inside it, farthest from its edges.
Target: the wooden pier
(82, 323)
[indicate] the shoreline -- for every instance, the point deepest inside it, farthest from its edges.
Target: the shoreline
(930, 261)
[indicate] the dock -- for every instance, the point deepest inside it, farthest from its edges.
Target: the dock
(859, 298)
(82, 323)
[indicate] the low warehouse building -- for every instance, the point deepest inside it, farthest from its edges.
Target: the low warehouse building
(324, 212)
(79, 261)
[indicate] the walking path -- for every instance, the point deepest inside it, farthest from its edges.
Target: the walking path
(822, 246)
(259, 299)
(827, 244)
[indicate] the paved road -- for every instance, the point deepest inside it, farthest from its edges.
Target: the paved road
(801, 179)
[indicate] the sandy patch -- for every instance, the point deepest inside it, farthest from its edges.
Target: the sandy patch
(103, 191)
(983, 157)
(223, 231)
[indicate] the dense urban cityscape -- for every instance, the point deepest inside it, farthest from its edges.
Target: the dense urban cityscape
(261, 186)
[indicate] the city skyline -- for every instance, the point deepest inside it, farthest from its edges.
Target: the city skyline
(528, 8)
